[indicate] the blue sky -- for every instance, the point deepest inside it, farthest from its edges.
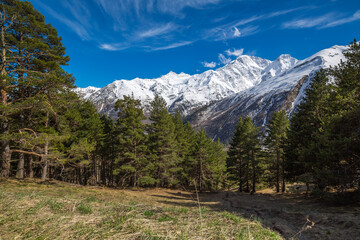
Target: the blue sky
(109, 40)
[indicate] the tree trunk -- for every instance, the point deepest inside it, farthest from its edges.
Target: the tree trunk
(5, 143)
(46, 152)
(253, 170)
(247, 173)
(30, 167)
(200, 175)
(283, 178)
(240, 176)
(85, 176)
(20, 170)
(277, 170)
(45, 160)
(134, 179)
(6, 157)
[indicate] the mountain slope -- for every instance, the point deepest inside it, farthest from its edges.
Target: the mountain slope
(281, 92)
(182, 91)
(215, 99)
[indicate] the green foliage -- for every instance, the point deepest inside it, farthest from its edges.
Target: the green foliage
(162, 144)
(208, 166)
(324, 131)
(131, 162)
(242, 163)
(276, 137)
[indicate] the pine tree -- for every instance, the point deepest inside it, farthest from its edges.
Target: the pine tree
(218, 167)
(208, 166)
(236, 155)
(252, 147)
(132, 161)
(108, 149)
(162, 144)
(306, 126)
(242, 157)
(32, 56)
(276, 136)
(342, 131)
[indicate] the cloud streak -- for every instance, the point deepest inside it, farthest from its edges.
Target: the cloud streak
(325, 21)
(235, 52)
(154, 25)
(224, 60)
(354, 17)
(156, 31)
(244, 27)
(171, 46)
(209, 64)
(74, 25)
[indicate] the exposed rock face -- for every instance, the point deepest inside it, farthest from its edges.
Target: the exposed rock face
(214, 100)
(219, 119)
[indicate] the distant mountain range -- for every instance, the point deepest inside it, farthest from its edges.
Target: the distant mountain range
(216, 99)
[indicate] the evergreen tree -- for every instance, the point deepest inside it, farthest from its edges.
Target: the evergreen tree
(108, 149)
(162, 144)
(236, 154)
(241, 161)
(132, 161)
(324, 131)
(306, 126)
(84, 128)
(252, 147)
(218, 167)
(32, 56)
(209, 163)
(276, 136)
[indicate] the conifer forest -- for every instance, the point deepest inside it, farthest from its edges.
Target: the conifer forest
(68, 171)
(48, 132)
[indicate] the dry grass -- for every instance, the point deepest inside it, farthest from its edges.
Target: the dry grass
(55, 210)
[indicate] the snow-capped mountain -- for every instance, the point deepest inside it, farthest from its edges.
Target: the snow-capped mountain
(215, 99)
(283, 91)
(183, 91)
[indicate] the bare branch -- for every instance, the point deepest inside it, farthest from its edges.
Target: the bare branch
(29, 130)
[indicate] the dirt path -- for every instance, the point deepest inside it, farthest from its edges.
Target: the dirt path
(292, 215)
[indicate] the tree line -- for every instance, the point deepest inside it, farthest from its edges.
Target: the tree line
(319, 146)
(48, 132)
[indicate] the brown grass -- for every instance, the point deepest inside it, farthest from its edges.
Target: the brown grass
(30, 209)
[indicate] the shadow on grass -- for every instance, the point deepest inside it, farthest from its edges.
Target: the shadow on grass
(292, 215)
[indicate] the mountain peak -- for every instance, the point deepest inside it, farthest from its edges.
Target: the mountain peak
(244, 76)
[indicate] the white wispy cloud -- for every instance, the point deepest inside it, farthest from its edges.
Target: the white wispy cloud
(324, 21)
(237, 33)
(224, 60)
(79, 10)
(74, 25)
(309, 22)
(171, 46)
(209, 64)
(113, 47)
(235, 52)
(220, 34)
(243, 27)
(176, 6)
(156, 31)
(121, 10)
(354, 17)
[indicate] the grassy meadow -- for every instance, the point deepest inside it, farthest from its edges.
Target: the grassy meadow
(31, 209)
